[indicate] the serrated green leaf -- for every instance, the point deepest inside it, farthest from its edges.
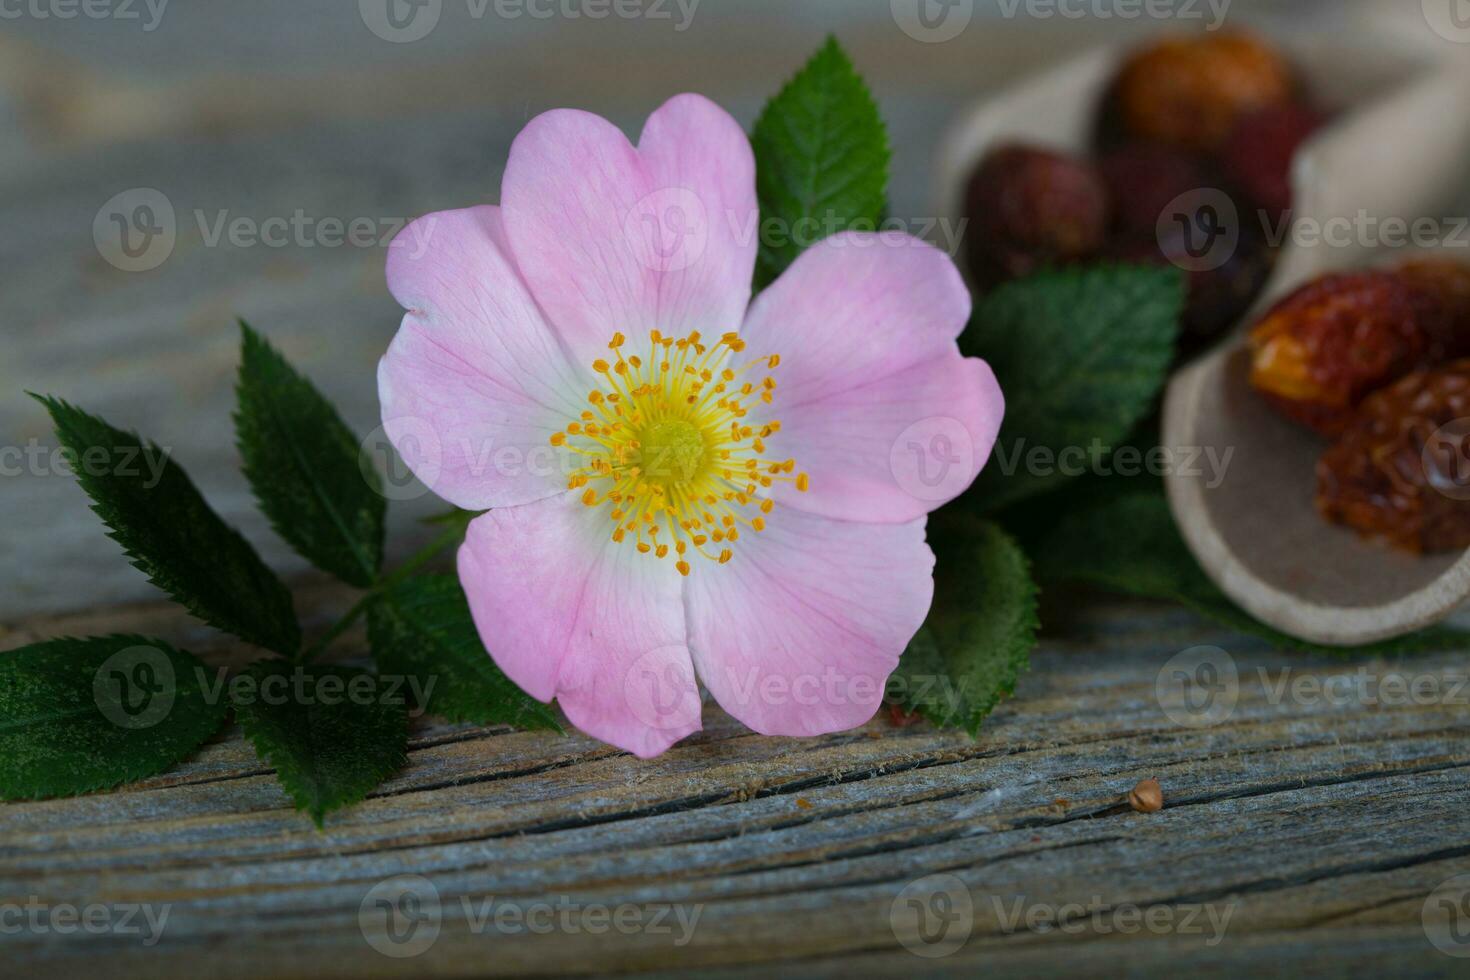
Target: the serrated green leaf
(1127, 542)
(332, 733)
(422, 628)
(152, 509)
(78, 715)
(821, 160)
(980, 631)
(302, 461)
(1081, 354)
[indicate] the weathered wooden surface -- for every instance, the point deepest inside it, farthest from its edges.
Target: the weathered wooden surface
(1320, 828)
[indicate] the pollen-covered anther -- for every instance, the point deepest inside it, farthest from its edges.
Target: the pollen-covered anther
(666, 441)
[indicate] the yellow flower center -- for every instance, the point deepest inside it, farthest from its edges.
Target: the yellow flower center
(670, 451)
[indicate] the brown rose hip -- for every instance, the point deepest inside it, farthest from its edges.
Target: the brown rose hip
(1401, 471)
(1191, 91)
(1323, 349)
(1029, 207)
(1443, 288)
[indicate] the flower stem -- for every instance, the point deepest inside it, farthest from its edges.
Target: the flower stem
(448, 538)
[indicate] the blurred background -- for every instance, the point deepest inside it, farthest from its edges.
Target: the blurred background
(170, 166)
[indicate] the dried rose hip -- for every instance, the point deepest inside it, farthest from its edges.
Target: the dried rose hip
(1143, 179)
(1257, 157)
(1401, 471)
(1190, 92)
(1029, 207)
(1443, 289)
(1321, 350)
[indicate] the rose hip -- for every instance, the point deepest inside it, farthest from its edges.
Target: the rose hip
(1029, 207)
(1401, 470)
(1191, 91)
(1321, 350)
(1257, 157)
(1443, 289)
(1143, 179)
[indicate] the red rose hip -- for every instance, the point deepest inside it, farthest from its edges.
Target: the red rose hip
(1323, 349)
(1401, 470)
(1029, 207)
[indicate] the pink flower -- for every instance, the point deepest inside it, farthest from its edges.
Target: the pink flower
(679, 480)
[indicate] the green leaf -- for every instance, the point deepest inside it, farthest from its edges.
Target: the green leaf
(821, 160)
(422, 629)
(154, 511)
(303, 464)
(1081, 354)
(332, 733)
(981, 629)
(83, 715)
(1127, 542)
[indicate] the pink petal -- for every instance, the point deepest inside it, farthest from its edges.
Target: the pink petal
(798, 633)
(875, 401)
(475, 382)
(566, 612)
(617, 238)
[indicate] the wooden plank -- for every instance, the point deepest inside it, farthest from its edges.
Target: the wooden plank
(1294, 818)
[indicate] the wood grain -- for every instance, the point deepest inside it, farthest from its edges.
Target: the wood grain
(1318, 828)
